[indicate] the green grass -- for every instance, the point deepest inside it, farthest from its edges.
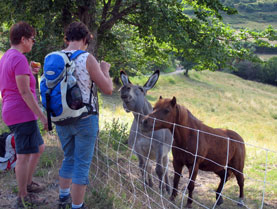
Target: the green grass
(227, 101)
(248, 21)
(253, 20)
(219, 100)
(224, 100)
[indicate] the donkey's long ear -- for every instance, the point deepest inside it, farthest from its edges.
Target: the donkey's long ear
(124, 78)
(152, 80)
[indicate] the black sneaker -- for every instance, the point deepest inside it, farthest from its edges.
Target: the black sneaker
(65, 202)
(83, 206)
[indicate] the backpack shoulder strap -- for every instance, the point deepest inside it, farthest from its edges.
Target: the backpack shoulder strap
(76, 54)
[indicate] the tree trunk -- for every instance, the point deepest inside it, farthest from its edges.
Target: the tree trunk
(93, 46)
(87, 14)
(186, 73)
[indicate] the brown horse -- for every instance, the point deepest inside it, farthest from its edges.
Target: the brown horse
(198, 146)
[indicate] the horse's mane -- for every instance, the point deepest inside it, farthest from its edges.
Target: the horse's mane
(190, 116)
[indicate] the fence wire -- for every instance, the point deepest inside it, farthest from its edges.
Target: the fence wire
(115, 165)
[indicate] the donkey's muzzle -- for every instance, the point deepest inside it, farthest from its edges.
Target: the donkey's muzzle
(145, 123)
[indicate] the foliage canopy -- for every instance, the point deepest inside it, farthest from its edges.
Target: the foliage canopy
(140, 34)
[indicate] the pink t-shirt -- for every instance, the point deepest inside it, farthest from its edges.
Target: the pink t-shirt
(14, 109)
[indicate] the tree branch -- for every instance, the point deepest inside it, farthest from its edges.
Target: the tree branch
(130, 23)
(105, 11)
(116, 16)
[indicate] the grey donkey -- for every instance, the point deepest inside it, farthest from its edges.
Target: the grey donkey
(134, 99)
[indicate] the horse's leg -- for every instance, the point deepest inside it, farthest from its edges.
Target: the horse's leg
(192, 174)
(221, 175)
(240, 180)
(177, 174)
(165, 163)
(238, 163)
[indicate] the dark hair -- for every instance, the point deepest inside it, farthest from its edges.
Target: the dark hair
(19, 30)
(77, 31)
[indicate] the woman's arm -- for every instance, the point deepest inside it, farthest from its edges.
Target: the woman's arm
(99, 73)
(22, 82)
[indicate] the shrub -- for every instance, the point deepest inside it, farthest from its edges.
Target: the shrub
(265, 72)
(116, 134)
(100, 198)
(270, 71)
(274, 116)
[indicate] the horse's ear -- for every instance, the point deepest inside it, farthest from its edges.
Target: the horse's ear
(152, 80)
(161, 97)
(173, 101)
(124, 78)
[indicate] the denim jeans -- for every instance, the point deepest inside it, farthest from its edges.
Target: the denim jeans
(78, 142)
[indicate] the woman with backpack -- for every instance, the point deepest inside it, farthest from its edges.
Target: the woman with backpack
(78, 138)
(20, 110)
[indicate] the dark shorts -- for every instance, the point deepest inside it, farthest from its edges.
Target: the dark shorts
(27, 137)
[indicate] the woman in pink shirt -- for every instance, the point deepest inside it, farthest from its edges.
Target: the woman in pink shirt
(20, 110)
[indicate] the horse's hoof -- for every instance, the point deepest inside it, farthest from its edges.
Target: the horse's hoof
(240, 203)
(220, 201)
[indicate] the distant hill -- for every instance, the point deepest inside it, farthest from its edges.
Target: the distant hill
(252, 14)
(218, 99)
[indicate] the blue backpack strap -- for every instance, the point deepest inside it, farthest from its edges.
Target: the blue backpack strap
(76, 54)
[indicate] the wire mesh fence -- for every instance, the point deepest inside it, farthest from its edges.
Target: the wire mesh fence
(116, 166)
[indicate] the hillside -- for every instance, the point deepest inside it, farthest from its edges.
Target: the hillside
(220, 100)
(252, 14)
(226, 101)
(216, 98)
